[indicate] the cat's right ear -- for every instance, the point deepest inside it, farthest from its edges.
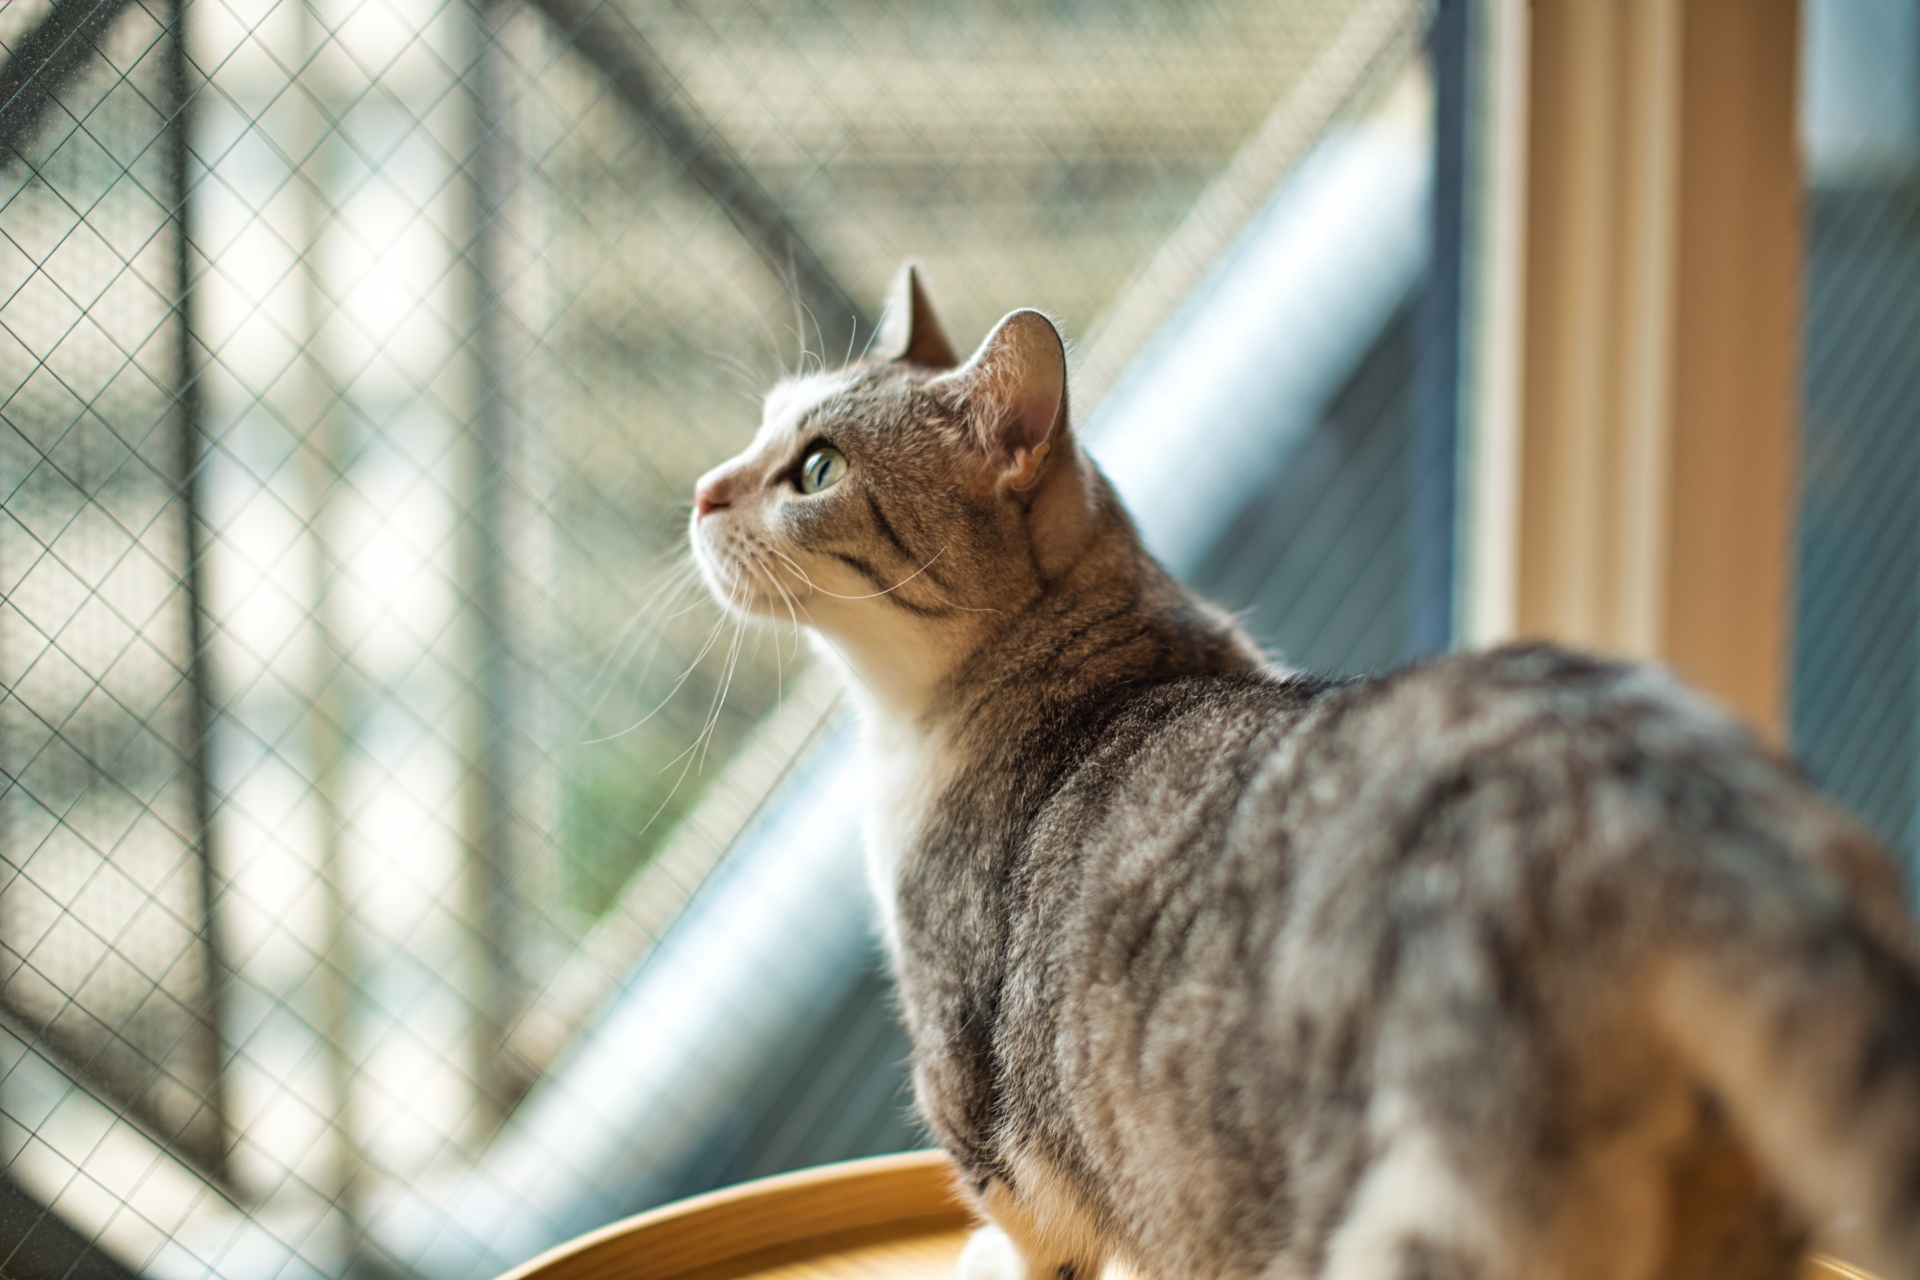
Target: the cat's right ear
(1014, 389)
(910, 329)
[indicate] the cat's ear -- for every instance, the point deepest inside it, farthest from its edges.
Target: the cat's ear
(1014, 388)
(910, 329)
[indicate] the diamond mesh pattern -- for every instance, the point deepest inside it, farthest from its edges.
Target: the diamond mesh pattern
(102, 909)
(1856, 674)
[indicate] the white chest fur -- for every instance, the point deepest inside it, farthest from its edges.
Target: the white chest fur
(908, 772)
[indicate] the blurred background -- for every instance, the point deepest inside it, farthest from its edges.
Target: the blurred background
(402, 865)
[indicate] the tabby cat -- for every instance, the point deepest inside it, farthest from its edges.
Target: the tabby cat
(1520, 965)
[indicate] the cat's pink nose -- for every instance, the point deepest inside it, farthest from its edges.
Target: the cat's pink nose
(708, 496)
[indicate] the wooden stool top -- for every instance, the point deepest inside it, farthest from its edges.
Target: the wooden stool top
(892, 1216)
(888, 1218)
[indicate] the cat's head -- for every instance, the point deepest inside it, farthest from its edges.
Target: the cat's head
(903, 504)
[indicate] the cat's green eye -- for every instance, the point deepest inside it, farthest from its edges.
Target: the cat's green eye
(822, 469)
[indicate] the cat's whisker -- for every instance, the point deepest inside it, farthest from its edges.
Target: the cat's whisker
(726, 687)
(679, 573)
(772, 339)
(791, 563)
(799, 328)
(748, 380)
(705, 649)
(795, 566)
(793, 614)
(737, 363)
(962, 608)
(734, 647)
(820, 358)
(794, 609)
(650, 639)
(779, 672)
(800, 353)
(814, 586)
(693, 753)
(890, 590)
(704, 739)
(795, 603)
(647, 624)
(751, 305)
(706, 733)
(667, 799)
(659, 629)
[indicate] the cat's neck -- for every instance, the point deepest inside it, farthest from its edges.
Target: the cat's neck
(891, 679)
(1116, 620)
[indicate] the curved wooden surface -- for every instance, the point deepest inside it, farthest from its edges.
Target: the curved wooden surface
(889, 1218)
(1821, 1267)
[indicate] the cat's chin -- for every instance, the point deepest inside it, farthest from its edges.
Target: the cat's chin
(728, 586)
(733, 589)
(748, 600)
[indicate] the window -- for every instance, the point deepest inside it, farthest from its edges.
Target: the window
(1856, 677)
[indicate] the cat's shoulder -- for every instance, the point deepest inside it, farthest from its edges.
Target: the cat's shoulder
(1530, 687)
(1473, 699)
(1523, 674)
(1571, 686)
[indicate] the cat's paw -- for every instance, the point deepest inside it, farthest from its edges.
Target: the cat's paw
(990, 1255)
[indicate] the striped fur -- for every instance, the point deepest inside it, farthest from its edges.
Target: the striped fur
(1517, 965)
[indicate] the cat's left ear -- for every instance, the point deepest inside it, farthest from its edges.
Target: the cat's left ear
(910, 328)
(1014, 388)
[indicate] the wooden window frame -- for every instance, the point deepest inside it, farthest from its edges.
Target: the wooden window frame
(1633, 405)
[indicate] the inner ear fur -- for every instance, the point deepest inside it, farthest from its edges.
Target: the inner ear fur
(910, 330)
(1014, 389)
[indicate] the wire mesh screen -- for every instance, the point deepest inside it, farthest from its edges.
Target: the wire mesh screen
(1856, 686)
(362, 728)
(103, 914)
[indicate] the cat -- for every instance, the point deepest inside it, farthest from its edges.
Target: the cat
(1515, 965)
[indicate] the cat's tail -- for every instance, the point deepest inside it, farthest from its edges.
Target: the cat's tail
(1805, 1020)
